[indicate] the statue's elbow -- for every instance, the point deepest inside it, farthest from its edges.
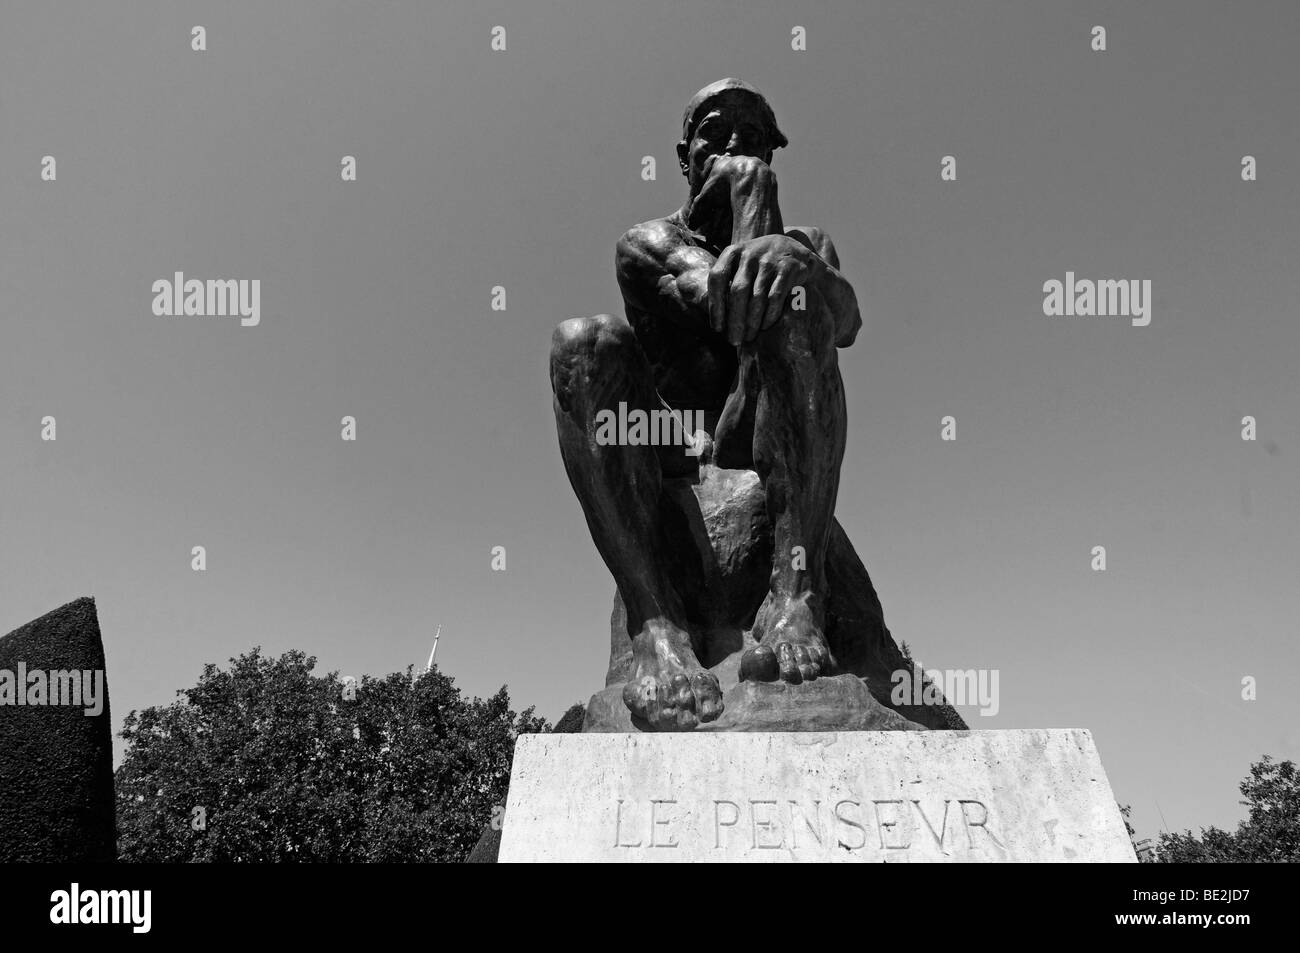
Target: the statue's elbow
(849, 331)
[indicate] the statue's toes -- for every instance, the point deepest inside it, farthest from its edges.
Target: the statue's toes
(759, 664)
(812, 661)
(641, 696)
(708, 695)
(787, 657)
(667, 705)
(684, 719)
(679, 692)
(804, 661)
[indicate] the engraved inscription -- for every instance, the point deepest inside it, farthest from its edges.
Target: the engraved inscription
(889, 828)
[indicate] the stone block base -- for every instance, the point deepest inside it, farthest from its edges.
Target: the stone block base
(910, 796)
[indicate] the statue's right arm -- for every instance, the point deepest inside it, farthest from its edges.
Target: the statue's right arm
(661, 274)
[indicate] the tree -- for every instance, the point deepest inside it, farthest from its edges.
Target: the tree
(1270, 833)
(571, 721)
(269, 762)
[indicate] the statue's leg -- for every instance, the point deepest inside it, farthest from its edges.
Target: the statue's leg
(596, 363)
(799, 431)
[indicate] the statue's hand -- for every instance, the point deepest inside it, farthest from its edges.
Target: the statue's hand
(710, 210)
(732, 186)
(742, 173)
(750, 281)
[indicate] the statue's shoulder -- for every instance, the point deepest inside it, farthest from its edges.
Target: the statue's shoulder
(645, 251)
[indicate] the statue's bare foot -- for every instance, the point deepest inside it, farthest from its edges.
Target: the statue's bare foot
(791, 645)
(669, 688)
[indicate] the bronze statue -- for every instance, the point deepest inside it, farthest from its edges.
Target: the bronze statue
(732, 313)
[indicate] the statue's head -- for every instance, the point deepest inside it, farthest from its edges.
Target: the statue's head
(729, 117)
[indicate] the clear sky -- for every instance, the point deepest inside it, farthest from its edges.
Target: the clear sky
(521, 169)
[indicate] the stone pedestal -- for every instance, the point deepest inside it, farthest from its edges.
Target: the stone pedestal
(893, 796)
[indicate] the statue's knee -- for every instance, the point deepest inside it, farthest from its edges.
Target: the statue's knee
(588, 337)
(583, 349)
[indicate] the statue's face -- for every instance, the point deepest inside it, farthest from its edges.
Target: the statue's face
(733, 126)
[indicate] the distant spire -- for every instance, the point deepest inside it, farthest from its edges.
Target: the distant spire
(434, 650)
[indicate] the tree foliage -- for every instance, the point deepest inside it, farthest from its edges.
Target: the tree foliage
(268, 762)
(571, 721)
(1269, 834)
